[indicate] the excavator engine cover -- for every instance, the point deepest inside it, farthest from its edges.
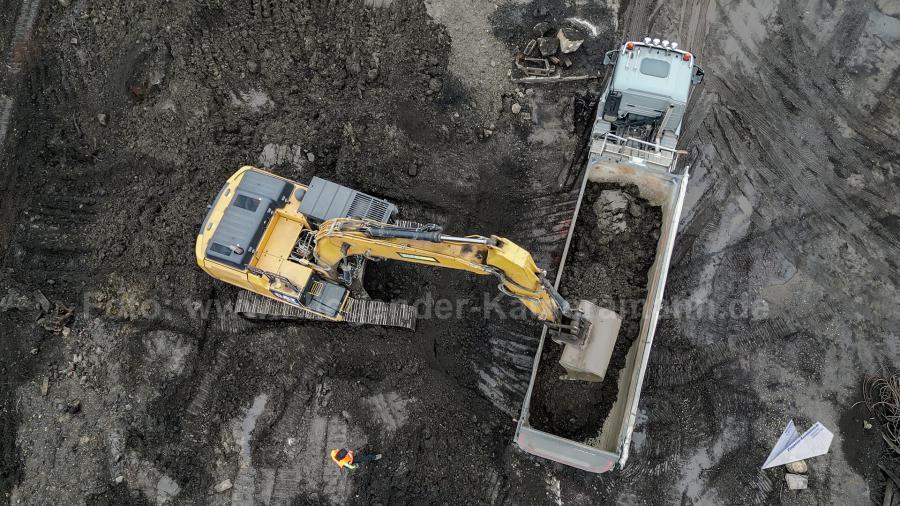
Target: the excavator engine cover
(588, 361)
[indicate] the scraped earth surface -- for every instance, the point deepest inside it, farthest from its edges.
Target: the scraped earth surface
(613, 248)
(126, 379)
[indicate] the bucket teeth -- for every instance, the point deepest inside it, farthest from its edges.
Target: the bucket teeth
(368, 312)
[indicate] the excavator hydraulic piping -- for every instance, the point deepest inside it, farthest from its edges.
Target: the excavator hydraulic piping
(469, 240)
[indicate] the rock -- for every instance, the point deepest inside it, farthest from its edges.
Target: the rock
(796, 481)
(120, 479)
(569, 39)
(16, 300)
(541, 29)
(74, 41)
(798, 467)
(223, 486)
(413, 170)
(45, 386)
(435, 84)
(310, 156)
(268, 54)
(516, 108)
(252, 67)
(103, 119)
(548, 45)
(867, 425)
(372, 75)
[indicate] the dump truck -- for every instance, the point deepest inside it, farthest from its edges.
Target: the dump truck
(633, 141)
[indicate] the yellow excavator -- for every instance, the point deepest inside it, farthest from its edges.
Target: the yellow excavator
(305, 245)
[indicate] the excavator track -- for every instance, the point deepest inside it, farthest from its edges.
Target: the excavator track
(369, 312)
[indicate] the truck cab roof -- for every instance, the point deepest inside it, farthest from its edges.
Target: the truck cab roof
(653, 70)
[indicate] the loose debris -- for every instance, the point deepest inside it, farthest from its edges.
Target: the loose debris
(223, 486)
(570, 40)
(882, 396)
(541, 60)
(796, 481)
(57, 320)
(798, 467)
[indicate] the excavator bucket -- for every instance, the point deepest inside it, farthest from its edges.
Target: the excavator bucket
(588, 361)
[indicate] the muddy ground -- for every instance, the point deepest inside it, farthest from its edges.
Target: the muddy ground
(120, 121)
(613, 247)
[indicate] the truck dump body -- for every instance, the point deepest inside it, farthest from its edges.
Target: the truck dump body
(612, 441)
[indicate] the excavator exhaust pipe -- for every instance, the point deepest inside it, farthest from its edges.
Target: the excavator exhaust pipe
(588, 360)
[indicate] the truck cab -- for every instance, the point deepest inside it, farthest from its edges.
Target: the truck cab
(640, 112)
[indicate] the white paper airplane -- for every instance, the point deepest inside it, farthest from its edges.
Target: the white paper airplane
(792, 447)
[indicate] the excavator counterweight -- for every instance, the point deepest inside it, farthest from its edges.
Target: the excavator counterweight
(306, 247)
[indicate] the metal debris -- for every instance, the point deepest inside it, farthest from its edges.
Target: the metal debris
(529, 48)
(535, 66)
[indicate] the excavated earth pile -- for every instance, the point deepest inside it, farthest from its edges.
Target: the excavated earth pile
(613, 248)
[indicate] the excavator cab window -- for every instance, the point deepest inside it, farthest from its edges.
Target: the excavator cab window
(245, 202)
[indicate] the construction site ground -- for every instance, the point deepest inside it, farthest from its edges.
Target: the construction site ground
(125, 377)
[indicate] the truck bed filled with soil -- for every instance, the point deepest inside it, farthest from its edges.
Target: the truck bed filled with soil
(612, 250)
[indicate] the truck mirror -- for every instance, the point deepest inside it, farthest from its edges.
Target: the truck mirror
(611, 57)
(697, 76)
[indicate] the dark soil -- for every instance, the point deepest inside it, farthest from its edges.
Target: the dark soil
(607, 265)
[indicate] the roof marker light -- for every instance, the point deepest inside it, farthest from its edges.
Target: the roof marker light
(647, 40)
(686, 56)
(665, 43)
(674, 45)
(629, 45)
(655, 42)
